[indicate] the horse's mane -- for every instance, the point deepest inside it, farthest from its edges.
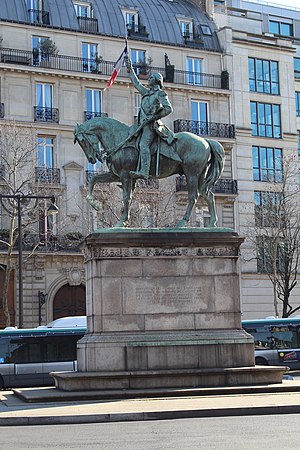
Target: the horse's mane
(107, 122)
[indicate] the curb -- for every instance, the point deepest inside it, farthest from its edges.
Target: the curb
(145, 416)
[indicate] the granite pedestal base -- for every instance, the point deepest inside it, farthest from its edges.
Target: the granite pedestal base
(163, 310)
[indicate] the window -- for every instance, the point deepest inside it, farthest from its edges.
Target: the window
(267, 164)
(89, 56)
(186, 27)
(265, 250)
(45, 151)
(297, 103)
(44, 95)
(298, 142)
(93, 103)
(265, 120)
(36, 12)
(263, 76)
(38, 56)
(206, 30)
(297, 67)
(137, 103)
(283, 28)
(199, 118)
(194, 69)
(131, 19)
(83, 9)
(267, 208)
(138, 57)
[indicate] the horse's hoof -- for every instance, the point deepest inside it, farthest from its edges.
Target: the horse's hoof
(181, 224)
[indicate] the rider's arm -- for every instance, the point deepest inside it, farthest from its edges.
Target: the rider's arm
(136, 82)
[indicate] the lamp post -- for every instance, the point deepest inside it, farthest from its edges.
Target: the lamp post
(21, 198)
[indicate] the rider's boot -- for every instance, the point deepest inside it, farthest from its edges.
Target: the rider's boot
(145, 168)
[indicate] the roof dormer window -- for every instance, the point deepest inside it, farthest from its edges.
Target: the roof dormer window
(131, 19)
(186, 26)
(83, 9)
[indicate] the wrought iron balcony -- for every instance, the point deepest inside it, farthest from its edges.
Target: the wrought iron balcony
(88, 24)
(44, 114)
(137, 31)
(52, 243)
(1, 110)
(76, 64)
(47, 175)
(222, 186)
(39, 16)
(200, 128)
(91, 114)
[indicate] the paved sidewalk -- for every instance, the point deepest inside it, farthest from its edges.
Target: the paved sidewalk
(49, 406)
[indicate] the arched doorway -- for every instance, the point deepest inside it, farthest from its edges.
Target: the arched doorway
(69, 301)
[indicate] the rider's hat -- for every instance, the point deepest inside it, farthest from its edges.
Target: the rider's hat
(158, 77)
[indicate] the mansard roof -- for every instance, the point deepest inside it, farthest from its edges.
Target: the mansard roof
(159, 17)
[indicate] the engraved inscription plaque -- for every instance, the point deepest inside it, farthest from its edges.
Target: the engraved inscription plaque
(169, 295)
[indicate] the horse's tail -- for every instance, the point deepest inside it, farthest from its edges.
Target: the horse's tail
(216, 164)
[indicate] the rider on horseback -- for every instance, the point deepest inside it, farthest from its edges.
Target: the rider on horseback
(154, 105)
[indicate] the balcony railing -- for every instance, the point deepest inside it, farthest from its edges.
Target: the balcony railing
(76, 64)
(137, 31)
(88, 24)
(39, 16)
(50, 243)
(1, 110)
(44, 114)
(200, 128)
(47, 175)
(91, 114)
(222, 186)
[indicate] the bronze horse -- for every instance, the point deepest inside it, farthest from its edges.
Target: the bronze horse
(200, 160)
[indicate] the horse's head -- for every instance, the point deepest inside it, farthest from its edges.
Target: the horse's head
(88, 141)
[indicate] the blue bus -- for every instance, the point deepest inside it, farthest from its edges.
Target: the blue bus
(276, 341)
(27, 356)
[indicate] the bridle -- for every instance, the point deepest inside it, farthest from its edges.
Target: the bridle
(88, 136)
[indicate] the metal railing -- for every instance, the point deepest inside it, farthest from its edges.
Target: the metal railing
(91, 114)
(44, 114)
(1, 110)
(50, 243)
(47, 175)
(76, 64)
(88, 24)
(39, 16)
(222, 186)
(200, 128)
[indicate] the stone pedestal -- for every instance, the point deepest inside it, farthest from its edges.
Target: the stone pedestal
(163, 310)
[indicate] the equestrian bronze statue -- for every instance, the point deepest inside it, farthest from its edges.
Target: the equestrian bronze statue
(150, 149)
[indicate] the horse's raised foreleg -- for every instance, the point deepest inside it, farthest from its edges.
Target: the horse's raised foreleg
(192, 183)
(127, 191)
(107, 177)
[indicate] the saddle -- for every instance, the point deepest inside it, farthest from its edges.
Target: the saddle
(165, 142)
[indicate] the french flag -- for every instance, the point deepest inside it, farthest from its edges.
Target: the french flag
(117, 67)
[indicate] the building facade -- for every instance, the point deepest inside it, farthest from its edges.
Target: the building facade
(56, 57)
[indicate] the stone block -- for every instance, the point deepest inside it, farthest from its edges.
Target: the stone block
(128, 322)
(167, 267)
(172, 356)
(111, 296)
(213, 266)
(121, 268)
(168, 322)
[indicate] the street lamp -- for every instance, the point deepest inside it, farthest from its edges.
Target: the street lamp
(21, 199)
